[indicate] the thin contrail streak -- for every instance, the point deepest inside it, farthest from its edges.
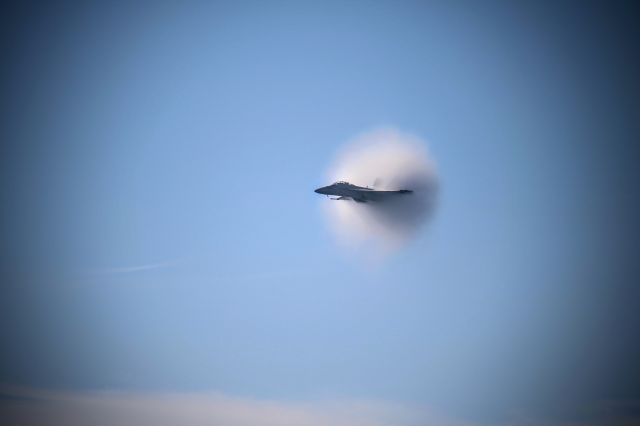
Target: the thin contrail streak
(136, 268)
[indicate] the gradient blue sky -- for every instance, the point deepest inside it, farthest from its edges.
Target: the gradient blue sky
(190, 138)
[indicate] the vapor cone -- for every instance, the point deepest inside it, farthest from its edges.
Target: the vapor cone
(384, 160)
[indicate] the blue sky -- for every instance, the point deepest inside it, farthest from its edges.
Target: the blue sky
(166, 235)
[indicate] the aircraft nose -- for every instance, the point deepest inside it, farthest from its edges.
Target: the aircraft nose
(320, 190)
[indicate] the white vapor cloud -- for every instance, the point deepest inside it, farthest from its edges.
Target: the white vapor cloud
(384, 159)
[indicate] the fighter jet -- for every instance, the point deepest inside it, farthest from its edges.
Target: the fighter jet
(347, 191)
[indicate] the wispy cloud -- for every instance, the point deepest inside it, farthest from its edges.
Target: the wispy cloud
(135, 268)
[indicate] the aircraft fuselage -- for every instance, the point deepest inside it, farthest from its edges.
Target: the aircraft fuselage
(347, 191)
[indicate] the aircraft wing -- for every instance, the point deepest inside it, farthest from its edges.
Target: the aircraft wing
(365, 195)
